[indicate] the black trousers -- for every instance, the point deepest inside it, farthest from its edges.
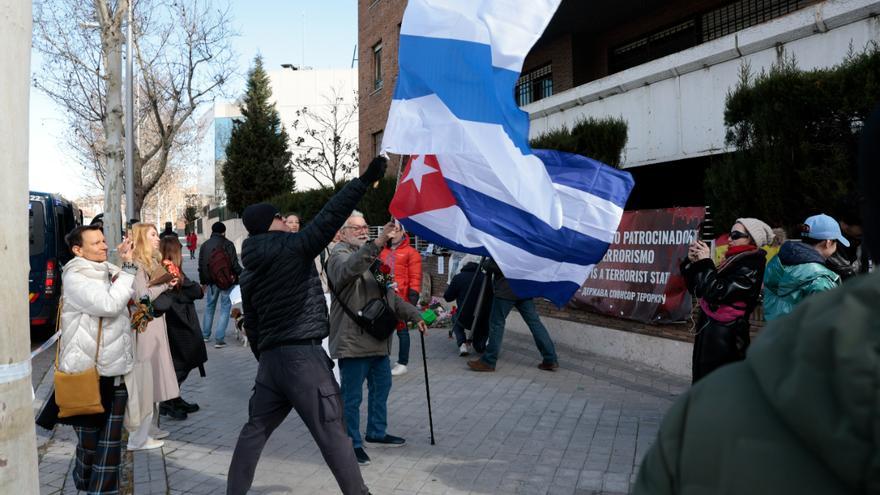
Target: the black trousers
(296, 377)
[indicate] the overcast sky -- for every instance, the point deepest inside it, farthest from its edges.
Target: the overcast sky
(274, 28)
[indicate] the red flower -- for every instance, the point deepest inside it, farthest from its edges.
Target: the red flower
(384, 268)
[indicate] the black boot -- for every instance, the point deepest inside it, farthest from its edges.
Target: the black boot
(189, 407)
(169, 408)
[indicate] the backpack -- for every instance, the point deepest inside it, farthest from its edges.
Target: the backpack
(220, 268)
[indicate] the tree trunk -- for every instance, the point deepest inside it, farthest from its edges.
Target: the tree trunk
(18, 447)
(111, 44)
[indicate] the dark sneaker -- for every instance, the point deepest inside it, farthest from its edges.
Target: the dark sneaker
(362, 457)
(479, 365)
(548, 366)
(189, 407)
(220, 345)
(387, 441)
(168, 408)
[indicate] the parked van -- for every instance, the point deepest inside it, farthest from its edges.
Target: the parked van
(50, 218)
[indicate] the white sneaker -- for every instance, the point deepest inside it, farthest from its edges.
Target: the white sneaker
(150, 444)
(463, 350)
(157, 433)
(398, 369)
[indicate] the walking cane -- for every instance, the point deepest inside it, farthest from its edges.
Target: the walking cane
(427, 388)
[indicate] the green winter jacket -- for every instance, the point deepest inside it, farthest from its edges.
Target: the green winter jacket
(801, 415)
(795, 273)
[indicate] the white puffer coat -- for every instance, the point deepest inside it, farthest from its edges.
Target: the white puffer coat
(88, 296)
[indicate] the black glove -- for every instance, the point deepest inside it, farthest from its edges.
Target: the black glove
(413, 296)
(375, 170)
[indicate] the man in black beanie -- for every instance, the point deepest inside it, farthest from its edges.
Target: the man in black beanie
(218, 272)
(285, 318)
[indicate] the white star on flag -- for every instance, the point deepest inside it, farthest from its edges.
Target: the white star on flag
(418, 169)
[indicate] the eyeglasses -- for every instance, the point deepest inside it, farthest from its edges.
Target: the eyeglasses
(736, 235)
(356, 227)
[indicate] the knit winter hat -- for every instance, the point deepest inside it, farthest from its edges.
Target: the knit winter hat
(258, 218)
(761, 233)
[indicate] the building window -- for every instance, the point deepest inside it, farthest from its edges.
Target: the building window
(534, 85)
(377, 143)
(377, 66)
(699, 28)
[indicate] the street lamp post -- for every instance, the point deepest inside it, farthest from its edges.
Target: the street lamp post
(129, 119)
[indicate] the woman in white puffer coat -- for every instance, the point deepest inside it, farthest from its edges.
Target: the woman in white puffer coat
(96, 296)
(154, 369)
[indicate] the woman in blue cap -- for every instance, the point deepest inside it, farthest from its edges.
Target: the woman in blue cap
(799, 269)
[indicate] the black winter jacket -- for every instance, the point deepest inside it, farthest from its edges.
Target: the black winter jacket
(736, 282)
(184, 331)
(458, 290)
(282, 297)
(500, 285)
(205, 255)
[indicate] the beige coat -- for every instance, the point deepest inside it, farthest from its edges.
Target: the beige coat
(153, 348)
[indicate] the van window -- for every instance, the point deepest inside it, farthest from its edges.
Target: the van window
(37, 227)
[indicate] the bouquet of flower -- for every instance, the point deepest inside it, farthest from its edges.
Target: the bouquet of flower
(142, 314)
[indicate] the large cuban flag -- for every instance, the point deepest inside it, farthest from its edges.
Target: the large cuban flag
(472, 182)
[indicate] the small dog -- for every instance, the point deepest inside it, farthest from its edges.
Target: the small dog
(238, 317)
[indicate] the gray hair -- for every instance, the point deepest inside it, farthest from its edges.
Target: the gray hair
(354, 214)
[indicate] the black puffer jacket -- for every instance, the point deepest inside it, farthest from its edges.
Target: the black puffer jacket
(458, 291)
(282, 298)
(737, 282)
(205, 256)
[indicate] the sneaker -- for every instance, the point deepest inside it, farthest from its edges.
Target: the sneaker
(362, 457)
(398, 369)
(189, 407)
(158, 434)
(479, 365)
(150, 444)
(387, 441)
(219, 345)
(206, 339)
(463, 350)
(168, 408)
(548, 366)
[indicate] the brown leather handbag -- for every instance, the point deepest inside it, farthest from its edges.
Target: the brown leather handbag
(78, 394)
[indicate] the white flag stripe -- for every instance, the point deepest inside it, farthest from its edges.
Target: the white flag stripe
(511, 27)
(485, 150)
(516, 263)
(582, 211)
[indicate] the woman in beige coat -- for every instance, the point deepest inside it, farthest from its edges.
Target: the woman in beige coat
(154, 370)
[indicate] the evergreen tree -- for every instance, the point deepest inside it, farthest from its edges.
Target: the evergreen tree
(258, 163)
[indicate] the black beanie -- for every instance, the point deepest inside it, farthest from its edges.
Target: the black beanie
(869, 181)
(258, 218)
(218, 228)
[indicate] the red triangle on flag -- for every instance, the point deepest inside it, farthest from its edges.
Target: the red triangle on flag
(422, 188)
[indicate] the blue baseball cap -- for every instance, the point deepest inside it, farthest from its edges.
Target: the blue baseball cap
(823, 227)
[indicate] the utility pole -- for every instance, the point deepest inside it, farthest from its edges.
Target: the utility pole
(18, 444)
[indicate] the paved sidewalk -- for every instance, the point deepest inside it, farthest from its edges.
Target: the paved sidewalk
(581, 430)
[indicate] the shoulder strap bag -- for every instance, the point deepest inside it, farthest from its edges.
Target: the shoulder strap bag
(78, 394)
(376, 317)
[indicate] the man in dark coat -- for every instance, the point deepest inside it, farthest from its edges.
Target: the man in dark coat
(469, 283)
(213, 292)
(799, 415)
(285, 318)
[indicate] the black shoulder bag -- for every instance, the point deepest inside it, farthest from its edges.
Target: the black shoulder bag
(376, 317)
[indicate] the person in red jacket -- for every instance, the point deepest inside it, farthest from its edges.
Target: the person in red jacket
(192, 241)
(406, 269)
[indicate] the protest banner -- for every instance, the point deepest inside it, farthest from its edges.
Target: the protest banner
(639, 278)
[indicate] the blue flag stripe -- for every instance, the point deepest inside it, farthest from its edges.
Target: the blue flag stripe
(524, 230)
(559, 293)
(461, 74)
(588, 175)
